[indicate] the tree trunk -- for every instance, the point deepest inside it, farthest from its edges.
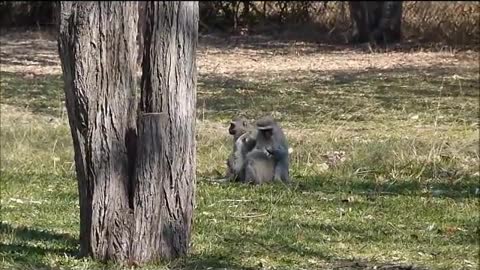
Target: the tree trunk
(246, 10)
(126, 214)
(141, 30)
(97, 50)
(376, 21)
(166, 148)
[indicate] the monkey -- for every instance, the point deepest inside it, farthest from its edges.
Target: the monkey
(238, 126)
(268, 160)
(277, 149)
(244, 137)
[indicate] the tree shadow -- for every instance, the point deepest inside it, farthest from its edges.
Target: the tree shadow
(24, 254)
(29, 48)
(41, 94)
(395, 89)
(313, 39)
(24, 233)
(20, 60)
(324, 93)
(234, 245)
(263, 44)
(209, 262)
(467, 188)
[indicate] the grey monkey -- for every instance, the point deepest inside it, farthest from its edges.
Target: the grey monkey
(244, 137)
(268, 160)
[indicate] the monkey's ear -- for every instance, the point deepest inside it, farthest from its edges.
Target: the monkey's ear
(231, 129)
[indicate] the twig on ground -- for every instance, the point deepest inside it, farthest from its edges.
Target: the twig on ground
(234, 200)
(251, 216)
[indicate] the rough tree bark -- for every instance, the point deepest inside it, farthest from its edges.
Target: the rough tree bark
(135, 206)
(141, 30)
(166, 132)
(376, 21)
(98, 50)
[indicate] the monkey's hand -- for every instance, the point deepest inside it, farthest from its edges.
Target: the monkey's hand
(278, 153)
(268, 151)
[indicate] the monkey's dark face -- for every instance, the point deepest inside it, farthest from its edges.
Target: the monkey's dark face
(267, 133)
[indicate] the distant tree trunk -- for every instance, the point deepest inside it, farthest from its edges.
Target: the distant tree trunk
(246, 9)
(97, 50)
(23, 13)
(135, 206)
(235, 7)
(376, 21)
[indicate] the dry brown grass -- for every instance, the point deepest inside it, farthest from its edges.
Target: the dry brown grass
(456, 22)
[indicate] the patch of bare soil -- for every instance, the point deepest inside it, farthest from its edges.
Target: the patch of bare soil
(34, 53)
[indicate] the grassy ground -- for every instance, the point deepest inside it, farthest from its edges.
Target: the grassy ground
(385, 159)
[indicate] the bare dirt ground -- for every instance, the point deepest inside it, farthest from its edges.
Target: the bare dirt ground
(35, 54)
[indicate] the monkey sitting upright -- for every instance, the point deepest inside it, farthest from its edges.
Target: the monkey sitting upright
(243, 142)
(268, 160)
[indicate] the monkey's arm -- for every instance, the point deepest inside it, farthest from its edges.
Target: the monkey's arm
(279, 152)
(248, 141)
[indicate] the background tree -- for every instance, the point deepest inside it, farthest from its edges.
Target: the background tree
(27, 13)
(376, 21)
(127, 216)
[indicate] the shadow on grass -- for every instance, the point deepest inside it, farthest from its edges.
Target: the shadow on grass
(24, 254)
(281, 39)
(28, 234)
(210, 262)
(22, 58)
(34, 48)
(331, 94)
(328, 94)
(466, 188)
(41, 94)
(234, 247)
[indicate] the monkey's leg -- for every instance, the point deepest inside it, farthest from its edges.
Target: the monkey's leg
(230, 173)
(281, 172)
(259, 168)
(250, 174)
